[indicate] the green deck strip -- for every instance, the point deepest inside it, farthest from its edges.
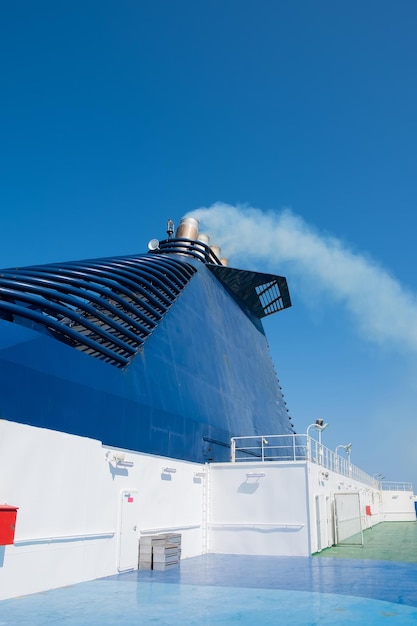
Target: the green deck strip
(387, 541)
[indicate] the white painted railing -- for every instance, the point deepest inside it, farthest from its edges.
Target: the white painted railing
(287, 448)
(388, 485)
(167, 529)
(64, 538)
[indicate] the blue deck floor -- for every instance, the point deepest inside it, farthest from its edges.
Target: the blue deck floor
(223, 590)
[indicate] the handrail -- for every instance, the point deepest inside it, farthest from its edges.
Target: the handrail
(259, 526)
(289, 448)
(64, 538)
(389, 485)
(168, 529)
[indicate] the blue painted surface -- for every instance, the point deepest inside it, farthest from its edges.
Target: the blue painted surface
(222, 590)
(203, 375)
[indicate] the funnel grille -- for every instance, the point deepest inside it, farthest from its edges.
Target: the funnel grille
(106, 308)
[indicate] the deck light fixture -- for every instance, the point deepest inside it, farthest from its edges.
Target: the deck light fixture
(347, 448)
(319, 425)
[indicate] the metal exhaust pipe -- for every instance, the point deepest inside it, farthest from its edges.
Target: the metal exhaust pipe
(188, 229)
(201, 249)
(216, 251)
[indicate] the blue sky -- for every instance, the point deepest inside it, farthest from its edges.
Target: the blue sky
(116, 116)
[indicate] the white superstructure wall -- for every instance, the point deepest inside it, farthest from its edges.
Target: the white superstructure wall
(398, 505)
(71, 491)
(259, 508)
(323, 485)
(83, 507)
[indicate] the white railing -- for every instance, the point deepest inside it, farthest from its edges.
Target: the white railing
(287, 448)
(388, 485)
(64, 538)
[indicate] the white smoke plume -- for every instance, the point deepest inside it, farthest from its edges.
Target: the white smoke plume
(382, 308)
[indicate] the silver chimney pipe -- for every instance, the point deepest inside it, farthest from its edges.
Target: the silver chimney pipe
(188, 229)
(203, 239)
(216, 250)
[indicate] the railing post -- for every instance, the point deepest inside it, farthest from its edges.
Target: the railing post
(233, 450)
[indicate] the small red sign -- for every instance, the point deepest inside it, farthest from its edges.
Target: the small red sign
(130, 499)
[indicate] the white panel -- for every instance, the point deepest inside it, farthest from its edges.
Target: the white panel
(259, 509)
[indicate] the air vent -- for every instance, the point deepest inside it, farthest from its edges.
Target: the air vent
(105, 307)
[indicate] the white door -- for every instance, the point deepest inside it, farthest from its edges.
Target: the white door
(329, 522)
(318, 524)
(128, 534)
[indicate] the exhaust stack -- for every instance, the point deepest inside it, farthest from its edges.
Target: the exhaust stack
(188, 229)
(216, 251)
(198, 244)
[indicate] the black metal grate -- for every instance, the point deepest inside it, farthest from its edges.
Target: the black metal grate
(104, 307)
(270, 297)
(264, 294)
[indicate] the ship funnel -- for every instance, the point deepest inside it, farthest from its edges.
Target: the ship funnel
(203, 238)
(216, 251)
(188, 229)
(193, 243)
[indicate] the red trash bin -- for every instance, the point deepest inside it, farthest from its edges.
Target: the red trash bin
(8, 516)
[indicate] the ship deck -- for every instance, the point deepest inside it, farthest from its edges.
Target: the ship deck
(373, 584)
